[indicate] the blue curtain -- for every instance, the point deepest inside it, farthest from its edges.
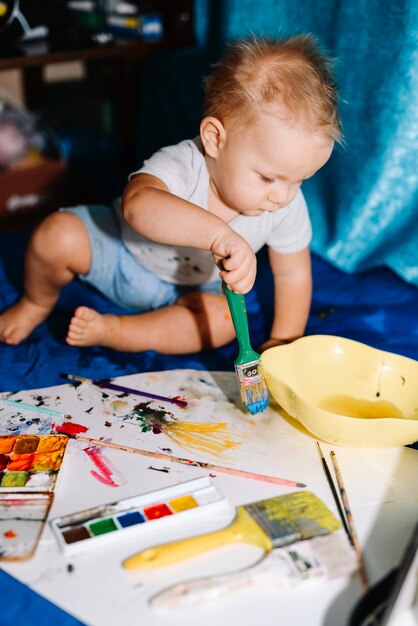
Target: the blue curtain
(364, 203)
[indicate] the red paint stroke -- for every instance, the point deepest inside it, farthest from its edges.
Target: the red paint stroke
(105, 473)
(70, 428)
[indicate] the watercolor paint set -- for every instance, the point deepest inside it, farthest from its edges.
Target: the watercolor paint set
(29, 466)
(148, 514)
(30, 462)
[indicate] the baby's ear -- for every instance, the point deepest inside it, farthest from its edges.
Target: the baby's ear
(213, 135)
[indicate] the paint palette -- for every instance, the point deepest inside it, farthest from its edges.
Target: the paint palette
(29, 466)
(144, 514)
(22, 518)
(30, 462)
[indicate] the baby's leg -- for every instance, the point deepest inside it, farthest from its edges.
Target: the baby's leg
(58, 249)
(198, 320)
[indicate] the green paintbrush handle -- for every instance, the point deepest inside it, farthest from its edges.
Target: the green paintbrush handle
(236, 303)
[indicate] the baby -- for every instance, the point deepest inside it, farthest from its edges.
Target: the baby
(196, 214)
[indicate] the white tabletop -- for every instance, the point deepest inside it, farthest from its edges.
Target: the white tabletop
(381, 485)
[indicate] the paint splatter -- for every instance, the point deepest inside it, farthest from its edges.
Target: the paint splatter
(204, 437)
(18, 423)
(119, 407)
(10, 534)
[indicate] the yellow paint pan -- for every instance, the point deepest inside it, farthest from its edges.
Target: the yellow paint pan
(345, 392)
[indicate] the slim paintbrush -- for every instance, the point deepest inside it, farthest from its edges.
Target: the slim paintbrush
(350, 521)
(253, 389)
(334, 492)
(107, 384)
(33, 407)
(176, 459)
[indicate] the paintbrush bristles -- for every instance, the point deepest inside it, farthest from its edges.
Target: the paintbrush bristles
(255, 396)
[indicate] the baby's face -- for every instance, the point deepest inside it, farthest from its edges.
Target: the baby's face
(261, 167)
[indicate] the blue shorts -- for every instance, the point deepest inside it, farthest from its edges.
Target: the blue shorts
(117, 274)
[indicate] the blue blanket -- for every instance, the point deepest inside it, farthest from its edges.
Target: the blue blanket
(375, 307)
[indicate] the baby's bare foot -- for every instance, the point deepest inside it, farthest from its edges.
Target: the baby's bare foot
(20, 320)
(89, 328)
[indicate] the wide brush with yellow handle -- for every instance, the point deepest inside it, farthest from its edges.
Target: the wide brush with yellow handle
(254, 524)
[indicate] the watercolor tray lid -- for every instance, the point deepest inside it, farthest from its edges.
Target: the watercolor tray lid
(146, 515)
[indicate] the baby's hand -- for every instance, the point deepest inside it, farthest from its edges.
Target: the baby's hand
(236, 261)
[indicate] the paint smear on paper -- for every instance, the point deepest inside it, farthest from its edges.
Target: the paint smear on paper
(106, 472)
(19, 422)
(69, 428)
(119, 407)
(201, 436)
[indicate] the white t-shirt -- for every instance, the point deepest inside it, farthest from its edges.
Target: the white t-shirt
(183, 169)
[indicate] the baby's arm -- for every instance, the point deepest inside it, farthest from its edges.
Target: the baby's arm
(292, 296)
(151, 210)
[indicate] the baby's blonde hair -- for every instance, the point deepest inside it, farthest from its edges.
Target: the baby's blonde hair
(293, 73)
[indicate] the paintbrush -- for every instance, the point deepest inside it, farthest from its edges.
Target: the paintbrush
(253, 389)
(107, 384)
(176, 459)
(334, 492)
(34, 407)
(350, 521)
(267, 524)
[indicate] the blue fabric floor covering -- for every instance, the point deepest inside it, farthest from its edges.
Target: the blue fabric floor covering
(375, 307)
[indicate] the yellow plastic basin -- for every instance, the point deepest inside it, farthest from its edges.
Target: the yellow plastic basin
(344, 391)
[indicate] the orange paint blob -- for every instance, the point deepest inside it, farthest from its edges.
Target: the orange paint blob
(47, 461)
(20, 462)
(6, 444)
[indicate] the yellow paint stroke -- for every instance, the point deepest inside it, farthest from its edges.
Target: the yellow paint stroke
(209, 438)
(200, 436)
